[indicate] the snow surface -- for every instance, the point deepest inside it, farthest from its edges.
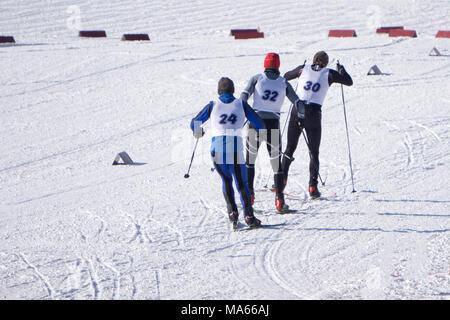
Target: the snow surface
(72, 226)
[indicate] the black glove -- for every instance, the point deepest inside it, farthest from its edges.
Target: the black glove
(199, 132)
(339, 67)
(301, 123)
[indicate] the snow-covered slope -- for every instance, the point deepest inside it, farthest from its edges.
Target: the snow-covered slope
(74, 227)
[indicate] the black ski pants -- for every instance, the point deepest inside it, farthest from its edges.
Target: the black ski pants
(272, 136)
(313, 128)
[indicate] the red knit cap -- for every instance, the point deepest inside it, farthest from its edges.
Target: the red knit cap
(272, 61)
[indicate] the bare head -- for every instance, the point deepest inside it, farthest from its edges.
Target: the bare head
(225, 85)
(321, 59)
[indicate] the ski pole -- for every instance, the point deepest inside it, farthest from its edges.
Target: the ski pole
(281, 152)
(290, 109)
(348, 139)
(192, 158)
(310, 156)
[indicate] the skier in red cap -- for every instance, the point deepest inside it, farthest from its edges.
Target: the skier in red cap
(269, 90)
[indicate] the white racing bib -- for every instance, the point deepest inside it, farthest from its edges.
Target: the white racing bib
(313, 85)
(227, 119)
(269, 94)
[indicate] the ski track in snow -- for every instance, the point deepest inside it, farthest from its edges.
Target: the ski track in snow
(49, 288)
(75, 227)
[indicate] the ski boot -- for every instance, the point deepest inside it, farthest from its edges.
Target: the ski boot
(314, 192)
(280, 204)
(252, 221)
(233, 216)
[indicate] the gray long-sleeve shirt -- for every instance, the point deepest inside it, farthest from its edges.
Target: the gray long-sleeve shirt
(273, 74)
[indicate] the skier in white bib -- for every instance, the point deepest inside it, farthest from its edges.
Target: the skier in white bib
(313, 83)
(228, 115)
(269, 90)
